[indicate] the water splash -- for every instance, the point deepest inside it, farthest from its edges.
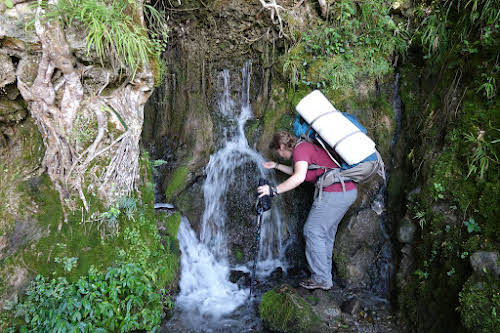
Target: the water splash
(205, 290)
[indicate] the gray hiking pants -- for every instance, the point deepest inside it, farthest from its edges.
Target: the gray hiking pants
(320, 229)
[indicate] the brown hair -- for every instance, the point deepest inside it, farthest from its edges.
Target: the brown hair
(282, 137)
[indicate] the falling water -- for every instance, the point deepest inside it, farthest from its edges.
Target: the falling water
(381, 270)
(208, 301)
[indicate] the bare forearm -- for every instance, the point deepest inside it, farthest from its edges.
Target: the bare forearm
(284, 168)
(291, 183)
(298, 177)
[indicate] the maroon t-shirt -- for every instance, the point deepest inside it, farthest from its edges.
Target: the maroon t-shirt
(312, 154)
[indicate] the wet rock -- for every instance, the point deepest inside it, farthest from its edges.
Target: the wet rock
(406, 231)
(485, 263)
(351, 306)
(406, 264)
(277, 273)
(191, 203)
(7, 73)
(239, 277)
(284, 310)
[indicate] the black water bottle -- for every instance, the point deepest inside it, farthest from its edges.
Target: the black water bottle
(265, 201)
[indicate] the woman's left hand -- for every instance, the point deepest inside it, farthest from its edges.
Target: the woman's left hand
(263, 190)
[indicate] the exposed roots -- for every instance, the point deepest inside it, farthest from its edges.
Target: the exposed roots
(275, 14)
(56, 96)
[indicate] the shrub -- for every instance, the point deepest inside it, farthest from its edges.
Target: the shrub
(122, 299)
(357, 41)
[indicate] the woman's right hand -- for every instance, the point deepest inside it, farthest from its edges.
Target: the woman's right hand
(270, 165)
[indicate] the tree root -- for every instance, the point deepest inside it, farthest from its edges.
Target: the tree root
(54, 117)
(275, 14)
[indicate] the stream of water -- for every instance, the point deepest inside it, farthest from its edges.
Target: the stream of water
(382, 269)
(208, 300)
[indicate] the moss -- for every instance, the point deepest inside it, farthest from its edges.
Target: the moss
(408, 89)
(33, 148)
(177, 182)
(238, 255)
(29, 150)
(340, 262)
(285, 122)
(84, 127)
(172, 224)
(251, 128)
(442, 157)
(480, 305)
(283, 310)
(90, 239)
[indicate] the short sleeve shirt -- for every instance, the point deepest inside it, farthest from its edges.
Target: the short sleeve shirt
(312, 154)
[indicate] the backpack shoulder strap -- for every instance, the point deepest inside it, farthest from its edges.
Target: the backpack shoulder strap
(323, 145)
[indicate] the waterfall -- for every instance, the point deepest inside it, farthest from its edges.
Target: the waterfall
(206, 294)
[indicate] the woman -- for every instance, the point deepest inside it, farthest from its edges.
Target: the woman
(327, 210)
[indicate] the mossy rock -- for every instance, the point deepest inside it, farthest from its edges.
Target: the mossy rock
(283, 310)
(177, 182)
(480, 305)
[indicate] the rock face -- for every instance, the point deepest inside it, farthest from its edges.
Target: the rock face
(356, 246)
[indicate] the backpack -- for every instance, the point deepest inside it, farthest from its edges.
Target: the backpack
(360, 172)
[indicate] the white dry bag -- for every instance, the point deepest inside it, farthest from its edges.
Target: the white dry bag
(336, 130)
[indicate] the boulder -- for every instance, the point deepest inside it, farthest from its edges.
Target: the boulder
(449, 214)
(284, 310)
(485, 263)
(356, 246)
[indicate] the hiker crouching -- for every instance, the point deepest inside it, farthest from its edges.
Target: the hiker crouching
(328, 207)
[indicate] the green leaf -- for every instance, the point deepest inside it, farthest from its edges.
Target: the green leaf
(9, 4)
